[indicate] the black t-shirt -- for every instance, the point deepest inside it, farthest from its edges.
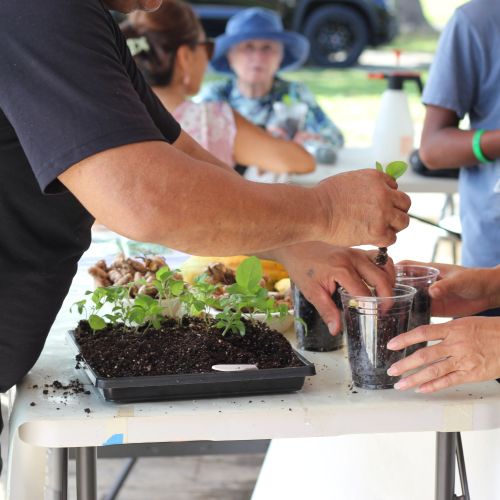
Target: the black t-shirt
(68, 89)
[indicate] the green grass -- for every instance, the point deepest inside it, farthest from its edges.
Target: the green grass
(414, 43)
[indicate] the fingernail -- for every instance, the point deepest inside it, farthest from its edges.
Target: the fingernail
(393, 345)
(332, 327)
(421, 390)
(400, 385)
(392, 371)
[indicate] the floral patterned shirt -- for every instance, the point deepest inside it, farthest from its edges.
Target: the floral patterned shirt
(211, 124)
(260, 110)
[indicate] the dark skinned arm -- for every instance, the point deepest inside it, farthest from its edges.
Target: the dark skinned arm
(444, 145)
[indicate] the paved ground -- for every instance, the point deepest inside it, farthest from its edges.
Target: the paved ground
(229, 477)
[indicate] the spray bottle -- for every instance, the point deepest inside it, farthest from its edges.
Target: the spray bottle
(394, 133)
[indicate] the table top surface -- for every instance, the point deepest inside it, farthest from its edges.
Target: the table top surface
(326, 406)
(350, 159)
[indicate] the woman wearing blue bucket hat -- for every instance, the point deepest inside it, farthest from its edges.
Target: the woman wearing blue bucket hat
(254, 48)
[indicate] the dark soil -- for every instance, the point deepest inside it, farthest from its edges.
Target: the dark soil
(313, 334)
(382, 257)
(420, 315)
(192, 345)
(369, 363)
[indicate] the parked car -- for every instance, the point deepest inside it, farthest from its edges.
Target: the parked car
(338, 30)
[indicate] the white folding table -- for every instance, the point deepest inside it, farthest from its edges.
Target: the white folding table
(42, 434)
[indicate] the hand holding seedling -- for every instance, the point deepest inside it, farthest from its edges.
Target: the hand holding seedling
(363, 207)
(395, 169)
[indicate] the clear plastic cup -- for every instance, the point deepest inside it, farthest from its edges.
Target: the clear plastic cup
(370, 323)
(289, 117)
(421, 278)
(311, 331)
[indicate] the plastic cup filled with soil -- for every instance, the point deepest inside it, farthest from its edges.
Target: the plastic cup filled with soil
(312, 332)
(370, 323)
(289, 118)
(421, 278)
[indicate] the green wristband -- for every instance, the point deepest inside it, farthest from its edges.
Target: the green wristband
(476, 147)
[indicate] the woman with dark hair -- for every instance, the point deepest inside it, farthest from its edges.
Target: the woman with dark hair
(171, 49)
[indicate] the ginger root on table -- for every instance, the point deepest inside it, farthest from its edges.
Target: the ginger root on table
(125, 270)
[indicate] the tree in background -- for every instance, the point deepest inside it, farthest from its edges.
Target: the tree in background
(411, 17)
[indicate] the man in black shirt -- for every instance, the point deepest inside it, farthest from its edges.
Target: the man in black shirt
(83, 136)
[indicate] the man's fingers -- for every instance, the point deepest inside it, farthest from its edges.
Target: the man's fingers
(352, 281)
(401, 200)
(390, 181)
(324, 304)
(388, 239)
(400, 220)
(425, 375)
(382, 278)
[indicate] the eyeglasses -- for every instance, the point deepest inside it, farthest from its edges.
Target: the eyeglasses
(208, 45)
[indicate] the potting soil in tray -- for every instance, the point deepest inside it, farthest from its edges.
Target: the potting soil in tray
(176, 361)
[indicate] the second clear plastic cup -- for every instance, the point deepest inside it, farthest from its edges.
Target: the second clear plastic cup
(370, 322)
(421, 278)
(289, 117)
(312, 332)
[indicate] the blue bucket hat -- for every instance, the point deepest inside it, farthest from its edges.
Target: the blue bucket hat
(259, 24)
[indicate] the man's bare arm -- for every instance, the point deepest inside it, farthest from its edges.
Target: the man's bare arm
(154, 192)
(189, 146)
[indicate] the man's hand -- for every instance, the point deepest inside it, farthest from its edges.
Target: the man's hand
(461, 291)
(317, 268)
(364, 207)
(469, 351)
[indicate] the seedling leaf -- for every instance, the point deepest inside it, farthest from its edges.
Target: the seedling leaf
(396, 169)
(249, 274)
(96, 322)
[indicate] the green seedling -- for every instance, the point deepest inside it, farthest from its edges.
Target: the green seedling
(246, 294)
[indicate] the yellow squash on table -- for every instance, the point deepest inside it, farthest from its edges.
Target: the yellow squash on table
(195, 266)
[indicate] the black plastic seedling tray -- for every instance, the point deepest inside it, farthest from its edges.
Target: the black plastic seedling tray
(200, 385)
